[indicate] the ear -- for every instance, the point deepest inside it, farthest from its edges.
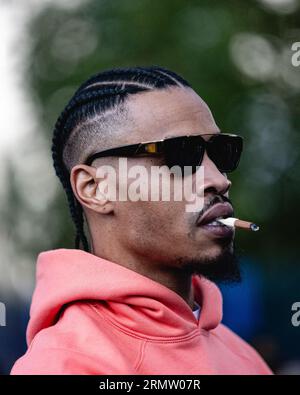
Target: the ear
(85, 187)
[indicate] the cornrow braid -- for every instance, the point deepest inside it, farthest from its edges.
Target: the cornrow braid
(101, 92)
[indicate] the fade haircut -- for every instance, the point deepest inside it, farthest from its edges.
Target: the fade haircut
(97, 106)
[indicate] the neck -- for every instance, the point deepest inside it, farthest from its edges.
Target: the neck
(172, 278)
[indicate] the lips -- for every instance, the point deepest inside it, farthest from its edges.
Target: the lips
(223, 210)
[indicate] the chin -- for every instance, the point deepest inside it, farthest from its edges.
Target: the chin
(219, 264)
(216, 249)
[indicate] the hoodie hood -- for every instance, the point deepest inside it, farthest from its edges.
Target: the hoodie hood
(132, 301)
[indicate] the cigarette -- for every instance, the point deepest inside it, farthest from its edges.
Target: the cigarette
(238, 223)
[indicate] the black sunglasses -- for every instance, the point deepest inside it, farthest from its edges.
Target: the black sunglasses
(222, 148)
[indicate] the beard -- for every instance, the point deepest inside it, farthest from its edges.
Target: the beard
(224, 268)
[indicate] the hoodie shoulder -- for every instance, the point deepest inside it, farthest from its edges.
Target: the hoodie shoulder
(54, 361)
(54, 351)
(242, 349)
(78, 343)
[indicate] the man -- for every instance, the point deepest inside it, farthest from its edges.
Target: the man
(140, 298)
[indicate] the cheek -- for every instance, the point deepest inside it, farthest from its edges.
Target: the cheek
(152, 222)
(155, 218)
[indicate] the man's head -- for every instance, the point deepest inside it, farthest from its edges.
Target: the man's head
(127, 106)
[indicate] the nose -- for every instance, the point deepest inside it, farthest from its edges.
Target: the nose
(214, 180)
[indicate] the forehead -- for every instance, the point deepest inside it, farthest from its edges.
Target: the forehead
(165, 113)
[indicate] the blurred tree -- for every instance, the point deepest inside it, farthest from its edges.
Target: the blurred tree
(237, 57)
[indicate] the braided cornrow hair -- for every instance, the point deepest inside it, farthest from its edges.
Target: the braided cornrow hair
(101, 92)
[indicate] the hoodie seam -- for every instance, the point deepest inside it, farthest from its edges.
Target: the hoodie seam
(161, 339)
(141, 355)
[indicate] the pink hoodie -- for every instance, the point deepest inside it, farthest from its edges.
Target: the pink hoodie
(92, 316)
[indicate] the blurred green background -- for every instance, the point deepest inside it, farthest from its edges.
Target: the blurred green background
(237, 56)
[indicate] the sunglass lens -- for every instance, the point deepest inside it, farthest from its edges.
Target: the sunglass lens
(184, 151)
(225, 151)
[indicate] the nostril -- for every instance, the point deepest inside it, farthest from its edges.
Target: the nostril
(226, 188)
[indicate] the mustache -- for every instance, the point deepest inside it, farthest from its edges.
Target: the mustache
(214, 200)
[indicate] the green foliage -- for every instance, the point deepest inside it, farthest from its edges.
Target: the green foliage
(235, 54)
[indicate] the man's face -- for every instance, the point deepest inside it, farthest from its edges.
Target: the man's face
(163, 232)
